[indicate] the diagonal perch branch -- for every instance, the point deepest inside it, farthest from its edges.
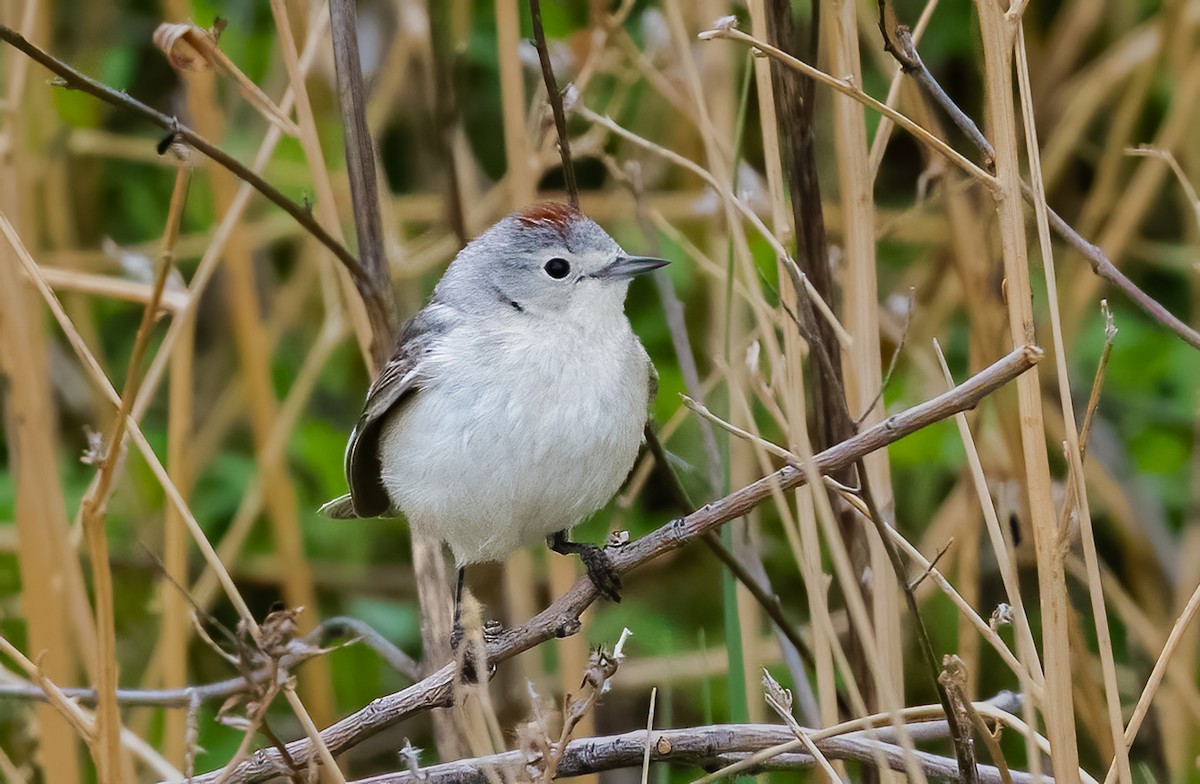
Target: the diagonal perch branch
(562, 617)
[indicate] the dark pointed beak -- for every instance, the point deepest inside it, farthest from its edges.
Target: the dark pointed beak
(628, 266)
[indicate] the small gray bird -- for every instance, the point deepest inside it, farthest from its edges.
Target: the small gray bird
(514, 405)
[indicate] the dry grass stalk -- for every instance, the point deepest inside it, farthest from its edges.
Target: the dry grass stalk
(1058, 710)
(98, 376)
(53, 596)
(800, 528)
(95, 504)
(1077, 495)
(254, 363)
(860, 306)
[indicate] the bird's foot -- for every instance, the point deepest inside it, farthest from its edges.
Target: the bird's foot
(601, 571)
(456, 636)
(468, 656)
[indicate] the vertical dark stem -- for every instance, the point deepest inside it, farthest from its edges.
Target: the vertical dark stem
(556, 104)
(445, 113)
(794, 103)
(360, 165)
(794, 108)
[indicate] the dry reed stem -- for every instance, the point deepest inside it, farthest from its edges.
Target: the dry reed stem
(374, 285)
(519, 177)
(1178, 629)
(520, 190)
(883, 132)
(1076, 496)
(110, 286)
(83, 725)
(95, 504)
(800, 529)
(1148, 637)
(818, 596)
(254, 363)
(1098, 256)
(75, 80)
(1138, 192)
(189, 47)
(174, 498)
(851, 590)
(175, 631)
(860, 308)
(213, 252)
(207, 586)
(8, 771)
(80, 720)
(1189, 190)
(714, 107)
(1029, 673)
(866, 726)
(326, 205)
(53, 596)
(1058, 708)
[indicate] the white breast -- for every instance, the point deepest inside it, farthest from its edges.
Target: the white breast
(518, 433)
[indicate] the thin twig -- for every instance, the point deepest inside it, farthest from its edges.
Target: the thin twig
(374, 282)
(561, 617)
(960, 731)
(854, 91)
(328, 630)
(768, 601)
(74, 80)
(1089, 414)
(554, 97)
(898, 42)
(1099, 261)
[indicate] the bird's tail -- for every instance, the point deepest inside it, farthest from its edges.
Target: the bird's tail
(340, 508)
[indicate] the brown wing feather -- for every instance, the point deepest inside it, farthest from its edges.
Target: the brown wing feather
(398, 381)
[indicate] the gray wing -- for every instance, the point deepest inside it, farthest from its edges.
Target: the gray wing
(398, 381)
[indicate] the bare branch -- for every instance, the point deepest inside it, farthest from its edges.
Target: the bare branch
(561, 618)
(74, 80)
(375, 282)
(556, 103)
(328, 630)
(702, 747)
(910, 62)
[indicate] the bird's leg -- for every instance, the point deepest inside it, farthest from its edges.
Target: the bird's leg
(456, 631)
(599, 566)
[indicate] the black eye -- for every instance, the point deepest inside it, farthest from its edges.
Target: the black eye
(557, 268)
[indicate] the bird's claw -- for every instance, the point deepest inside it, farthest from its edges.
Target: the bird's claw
(601, 571)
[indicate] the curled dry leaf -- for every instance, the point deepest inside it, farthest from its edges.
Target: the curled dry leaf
(190, 48)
